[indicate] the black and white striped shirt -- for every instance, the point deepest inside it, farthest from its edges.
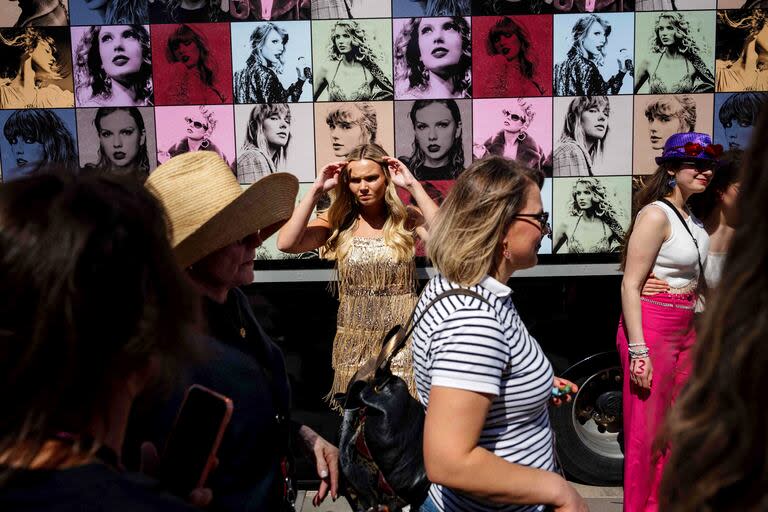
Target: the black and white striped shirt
(463, 343)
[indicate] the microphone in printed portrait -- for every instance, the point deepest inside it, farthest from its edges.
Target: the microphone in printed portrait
(272, 62)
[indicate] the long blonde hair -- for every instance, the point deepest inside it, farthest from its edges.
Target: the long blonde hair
(344, 211)
(464, 239)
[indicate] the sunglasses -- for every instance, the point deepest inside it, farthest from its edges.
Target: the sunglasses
(695, 149)
(512, 117)
(700, 165)
(196, 124)
(543, 219)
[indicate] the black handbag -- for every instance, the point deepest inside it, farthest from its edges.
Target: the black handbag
(382, 430)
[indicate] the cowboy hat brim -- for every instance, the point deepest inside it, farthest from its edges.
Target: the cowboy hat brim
(268, 201)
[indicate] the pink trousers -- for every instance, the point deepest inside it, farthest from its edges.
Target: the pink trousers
(670, 336)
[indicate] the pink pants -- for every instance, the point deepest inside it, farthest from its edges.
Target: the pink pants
(670, 336)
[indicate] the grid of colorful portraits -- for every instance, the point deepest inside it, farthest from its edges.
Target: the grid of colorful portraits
(585, 90)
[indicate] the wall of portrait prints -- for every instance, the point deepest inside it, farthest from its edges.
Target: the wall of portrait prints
(586, 91)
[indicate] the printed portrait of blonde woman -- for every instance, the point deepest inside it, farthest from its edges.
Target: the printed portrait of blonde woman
(353, 68)
(674, 61)
(742, 56)
(31, 61)
(594, 223)
(266, 141)
(581, 147)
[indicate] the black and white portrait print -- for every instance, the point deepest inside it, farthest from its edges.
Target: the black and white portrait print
(591, 135)
(433, 137)
(274, 137)
(591, 215)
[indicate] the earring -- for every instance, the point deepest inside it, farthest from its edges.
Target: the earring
(672, 182)
(507, 255)
(108, 83)
(521, 136)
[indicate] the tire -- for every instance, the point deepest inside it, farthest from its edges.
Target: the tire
(587, 455)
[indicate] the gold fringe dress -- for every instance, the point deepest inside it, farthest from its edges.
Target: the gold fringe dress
(376, 292)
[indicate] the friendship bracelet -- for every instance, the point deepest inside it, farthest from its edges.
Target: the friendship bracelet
(640, 344)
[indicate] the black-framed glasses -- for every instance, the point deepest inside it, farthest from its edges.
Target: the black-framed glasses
(543, 219)
(512, 117)
(196, 124)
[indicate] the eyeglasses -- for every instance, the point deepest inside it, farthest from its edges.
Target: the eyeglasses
(695, 149)
(196, 124)
(512, 117)
(543, 219)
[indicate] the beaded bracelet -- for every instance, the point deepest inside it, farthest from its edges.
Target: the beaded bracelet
(638, 353)
(639, 344)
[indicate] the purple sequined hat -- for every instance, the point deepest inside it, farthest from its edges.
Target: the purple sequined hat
(690, 146)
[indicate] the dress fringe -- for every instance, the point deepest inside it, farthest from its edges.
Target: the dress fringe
(376, 292)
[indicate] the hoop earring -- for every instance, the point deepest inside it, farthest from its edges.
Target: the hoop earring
(205, 144)
(522, 136)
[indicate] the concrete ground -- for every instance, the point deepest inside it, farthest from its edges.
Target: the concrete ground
(599, 499)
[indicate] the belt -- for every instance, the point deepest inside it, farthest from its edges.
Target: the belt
(668, 305)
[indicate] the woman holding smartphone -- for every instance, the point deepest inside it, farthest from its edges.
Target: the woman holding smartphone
(216, 228)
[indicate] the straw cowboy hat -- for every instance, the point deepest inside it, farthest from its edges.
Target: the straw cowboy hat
(207, 208)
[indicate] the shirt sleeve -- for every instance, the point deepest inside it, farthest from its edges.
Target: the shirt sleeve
(470, 352)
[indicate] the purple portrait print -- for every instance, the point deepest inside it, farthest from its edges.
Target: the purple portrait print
(516, 128)
(113, 66)
(433, 58)
(195, 128)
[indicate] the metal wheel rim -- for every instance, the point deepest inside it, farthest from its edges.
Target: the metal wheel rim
(605, 444)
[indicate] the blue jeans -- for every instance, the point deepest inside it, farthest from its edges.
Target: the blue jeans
(429, 506)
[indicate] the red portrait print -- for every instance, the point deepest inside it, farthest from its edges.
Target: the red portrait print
(192, 64)
(512, 56)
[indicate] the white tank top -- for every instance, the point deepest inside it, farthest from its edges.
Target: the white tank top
(678, 259)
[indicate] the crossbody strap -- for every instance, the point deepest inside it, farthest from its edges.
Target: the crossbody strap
(398, 335)
(695, 242)
(411, 325)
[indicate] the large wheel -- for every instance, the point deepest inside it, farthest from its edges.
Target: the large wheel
(589, 428)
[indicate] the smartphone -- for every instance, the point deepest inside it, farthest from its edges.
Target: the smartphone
(190, 450)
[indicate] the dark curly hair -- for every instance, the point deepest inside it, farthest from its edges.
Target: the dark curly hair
(93, 80)
(409, 66)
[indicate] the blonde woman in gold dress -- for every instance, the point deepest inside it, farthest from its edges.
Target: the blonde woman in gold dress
(370, 234)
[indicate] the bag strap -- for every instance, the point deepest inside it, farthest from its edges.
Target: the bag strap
(695, 242)
(411, 325)
(395, 340)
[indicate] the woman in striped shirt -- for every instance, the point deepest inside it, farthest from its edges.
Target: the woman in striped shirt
(485, 381)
